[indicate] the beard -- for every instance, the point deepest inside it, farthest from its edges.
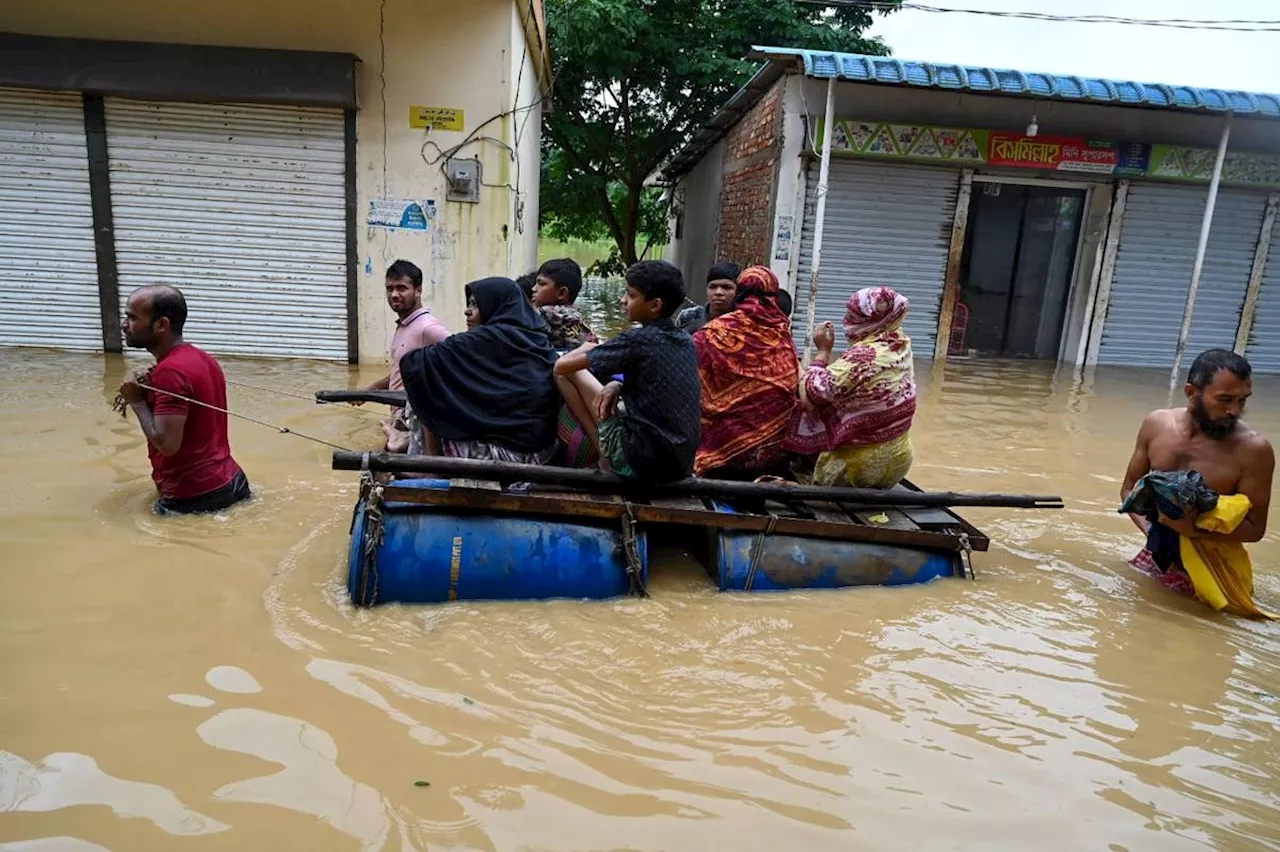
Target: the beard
(1218, 429)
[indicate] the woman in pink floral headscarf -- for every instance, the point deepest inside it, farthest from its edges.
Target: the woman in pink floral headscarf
(857, 409)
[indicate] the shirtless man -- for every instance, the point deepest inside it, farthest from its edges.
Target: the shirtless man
(1208, 436)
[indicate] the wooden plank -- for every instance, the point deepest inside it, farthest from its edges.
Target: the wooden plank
(893, 519)
(977, 539)
(533, 505)
(683, 503)
(830, 513)
(504, 502)
(476, 484)
(931, 517)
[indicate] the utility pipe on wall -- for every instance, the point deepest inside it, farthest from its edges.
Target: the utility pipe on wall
(1198, 267)
(820, 215)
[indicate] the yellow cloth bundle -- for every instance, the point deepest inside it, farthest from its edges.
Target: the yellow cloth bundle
(1222, 572)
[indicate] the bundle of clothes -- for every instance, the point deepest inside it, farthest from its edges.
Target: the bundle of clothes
(1220, 572)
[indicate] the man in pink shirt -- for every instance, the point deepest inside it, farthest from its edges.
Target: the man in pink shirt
(415, 328)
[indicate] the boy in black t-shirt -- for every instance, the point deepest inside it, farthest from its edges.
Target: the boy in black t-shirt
(655, 433)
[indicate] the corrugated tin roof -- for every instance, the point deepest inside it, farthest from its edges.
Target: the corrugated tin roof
(886, 70)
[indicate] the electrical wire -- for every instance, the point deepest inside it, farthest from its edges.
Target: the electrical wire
(1240, 25)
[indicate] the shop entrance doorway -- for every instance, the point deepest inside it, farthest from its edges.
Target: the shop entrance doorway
(1019, 259)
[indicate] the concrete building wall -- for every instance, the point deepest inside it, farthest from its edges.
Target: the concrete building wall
(693, 247)
(470, 55)
(791, 184)
(750, 176)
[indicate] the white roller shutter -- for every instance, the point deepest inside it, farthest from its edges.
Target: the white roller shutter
(243, 208)
(1263, 350)
(48, 269)
(1153, 272)
(885, 225)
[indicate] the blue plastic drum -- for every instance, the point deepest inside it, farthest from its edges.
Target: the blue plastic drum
(794, 562)
(434, 555)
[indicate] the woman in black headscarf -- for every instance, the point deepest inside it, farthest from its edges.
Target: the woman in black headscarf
(488, 393)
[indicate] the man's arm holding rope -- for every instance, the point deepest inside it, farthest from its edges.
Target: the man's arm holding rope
(163, 431)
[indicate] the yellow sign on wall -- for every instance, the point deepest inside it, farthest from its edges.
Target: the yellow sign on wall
(440, 118)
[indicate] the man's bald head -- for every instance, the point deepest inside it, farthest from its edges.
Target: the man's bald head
(163, 302)
(154, 316)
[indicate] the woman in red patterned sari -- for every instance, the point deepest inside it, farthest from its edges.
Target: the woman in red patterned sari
(750, 378)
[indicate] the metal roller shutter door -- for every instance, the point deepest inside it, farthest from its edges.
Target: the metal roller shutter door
(243, 208)
(1263, 350)
(48, 268)
(1153, 272)
(885, 225)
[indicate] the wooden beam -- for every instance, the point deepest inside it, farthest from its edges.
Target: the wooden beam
(1106, 278)
(1260, 253)
(562, 508)
(955, 254)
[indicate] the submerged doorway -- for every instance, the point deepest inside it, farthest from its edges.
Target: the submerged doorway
(1019, 258)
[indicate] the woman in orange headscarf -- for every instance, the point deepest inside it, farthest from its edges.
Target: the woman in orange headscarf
(750, 377)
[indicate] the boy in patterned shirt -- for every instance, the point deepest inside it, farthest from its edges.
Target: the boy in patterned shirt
(557, 287)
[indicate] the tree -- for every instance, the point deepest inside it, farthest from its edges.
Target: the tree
(636, 78)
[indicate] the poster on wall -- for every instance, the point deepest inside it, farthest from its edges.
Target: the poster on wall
(914, 142)
(401, 213)
(1177, 162)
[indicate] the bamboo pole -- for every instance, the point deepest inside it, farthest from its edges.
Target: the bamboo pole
(1206, 222)
(395, 399)
(820, 216)
(605, 483)
(955, 253)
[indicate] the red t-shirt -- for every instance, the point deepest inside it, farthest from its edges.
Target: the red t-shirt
(203, 462)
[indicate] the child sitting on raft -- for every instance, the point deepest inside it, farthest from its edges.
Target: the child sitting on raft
(655, 432)
(556, 287)
(555, 290)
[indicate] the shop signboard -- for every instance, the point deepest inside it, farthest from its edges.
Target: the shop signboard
(1056, 153)
(972, 147)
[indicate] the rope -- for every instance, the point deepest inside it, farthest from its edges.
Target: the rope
(757, 550)
(345, 407)
(283, 430)
(374, 534)
(631, 549)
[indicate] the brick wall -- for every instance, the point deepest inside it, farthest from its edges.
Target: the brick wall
(750, 174)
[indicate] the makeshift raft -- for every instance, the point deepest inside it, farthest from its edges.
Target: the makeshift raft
(502, 531)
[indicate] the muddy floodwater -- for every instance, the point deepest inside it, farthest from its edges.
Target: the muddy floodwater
(203, 683)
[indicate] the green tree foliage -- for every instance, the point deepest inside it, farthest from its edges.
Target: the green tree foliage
(636, 78)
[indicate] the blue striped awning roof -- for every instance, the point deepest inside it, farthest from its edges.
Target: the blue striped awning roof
(931, 75)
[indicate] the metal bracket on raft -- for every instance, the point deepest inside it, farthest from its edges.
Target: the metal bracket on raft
(966, 558)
